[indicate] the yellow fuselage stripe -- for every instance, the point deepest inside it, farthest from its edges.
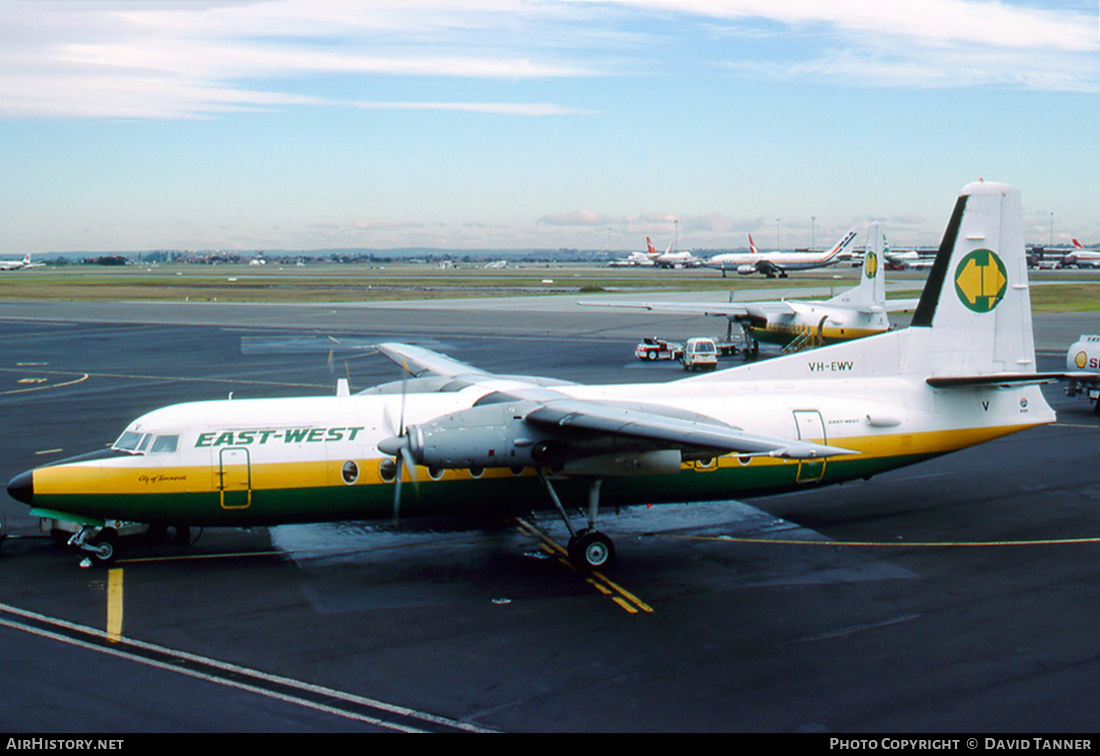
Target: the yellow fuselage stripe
(291, 474)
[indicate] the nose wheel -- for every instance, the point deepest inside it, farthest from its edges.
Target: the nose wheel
(100, 544)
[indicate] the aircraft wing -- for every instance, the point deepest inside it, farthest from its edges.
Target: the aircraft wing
(635, 425)
(685, 308)
(417, 361)
(670, 430)
(719, 309)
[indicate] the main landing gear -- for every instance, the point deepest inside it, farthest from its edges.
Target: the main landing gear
(589, 549)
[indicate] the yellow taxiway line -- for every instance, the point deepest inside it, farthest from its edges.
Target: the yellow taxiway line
(114, 603)
(626, 600)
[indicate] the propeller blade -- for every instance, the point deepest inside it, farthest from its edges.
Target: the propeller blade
(406, 464)
(404, 392)
(397, 496)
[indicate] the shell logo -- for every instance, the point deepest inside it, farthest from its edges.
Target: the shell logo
(1081, 359)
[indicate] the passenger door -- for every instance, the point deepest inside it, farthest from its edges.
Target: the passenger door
(810, 428)
(235, 478)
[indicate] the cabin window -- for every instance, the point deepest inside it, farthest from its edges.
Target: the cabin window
(387, 469)
(165, 445)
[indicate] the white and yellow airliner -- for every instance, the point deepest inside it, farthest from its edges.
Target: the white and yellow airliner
(963, 373)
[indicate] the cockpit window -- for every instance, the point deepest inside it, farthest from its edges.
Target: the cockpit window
(129, 441)
(165, 445)
(142, 443)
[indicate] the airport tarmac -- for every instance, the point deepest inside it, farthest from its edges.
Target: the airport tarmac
(959, 595)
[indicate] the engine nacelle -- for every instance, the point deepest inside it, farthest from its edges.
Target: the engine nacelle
(664, 462)
(746, 269)
(493, 435)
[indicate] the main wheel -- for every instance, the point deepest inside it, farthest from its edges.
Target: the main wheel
(591, 550)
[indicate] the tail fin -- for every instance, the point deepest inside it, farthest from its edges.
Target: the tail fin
(649, 246)
(842, 244)
(972, 326)
(1077, 244)
(752, 245)
(871, 291)
(974, 315)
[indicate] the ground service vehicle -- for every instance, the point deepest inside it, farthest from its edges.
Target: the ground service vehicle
(658, 349)
(700, 354)
(1083, 363)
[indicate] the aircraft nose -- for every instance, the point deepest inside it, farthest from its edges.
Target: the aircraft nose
(21, 487)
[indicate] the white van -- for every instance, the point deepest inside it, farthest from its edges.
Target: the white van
(700, 354)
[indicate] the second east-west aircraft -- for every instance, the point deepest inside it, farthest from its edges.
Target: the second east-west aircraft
(792, 324)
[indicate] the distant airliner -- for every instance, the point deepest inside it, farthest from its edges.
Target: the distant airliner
(20, 264)
(777, 263)
(1082, 257)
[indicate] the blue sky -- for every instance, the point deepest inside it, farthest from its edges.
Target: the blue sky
(503, 124)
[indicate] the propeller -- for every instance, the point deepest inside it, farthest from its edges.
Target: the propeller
(399, 446)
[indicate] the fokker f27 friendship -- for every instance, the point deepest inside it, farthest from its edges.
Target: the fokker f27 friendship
(962, 374)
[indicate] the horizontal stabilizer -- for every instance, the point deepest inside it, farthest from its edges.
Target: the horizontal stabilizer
(994, 379)
(900, 305)
(1082, 377)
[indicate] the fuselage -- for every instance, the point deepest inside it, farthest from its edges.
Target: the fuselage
(266, 461)
(829, 324)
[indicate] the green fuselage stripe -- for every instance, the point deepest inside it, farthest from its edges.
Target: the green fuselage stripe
(497, 495)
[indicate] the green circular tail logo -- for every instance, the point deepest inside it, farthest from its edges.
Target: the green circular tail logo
(870, 264)
(981, 280)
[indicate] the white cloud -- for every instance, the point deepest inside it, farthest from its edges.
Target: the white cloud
(918, 43)
(579, 218)
(187, 60)
(169, 61)
(931, 22)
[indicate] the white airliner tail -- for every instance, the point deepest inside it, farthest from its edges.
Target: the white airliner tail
(871, 291)
(842, 244)
(974, 315)
(972, 325)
